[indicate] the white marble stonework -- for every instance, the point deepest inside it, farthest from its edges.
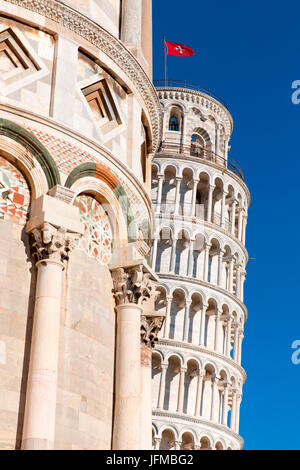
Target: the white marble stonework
(201, 204)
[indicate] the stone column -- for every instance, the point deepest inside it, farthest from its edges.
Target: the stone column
(238, 281)
(194, 194)
(228, 336)
(186, 320)
(220, 267)
(150, 326)
(217, 330)
(230, 274)
(233, 410)
(237, 414)
(225, 404)
(51, 246)
(209, 202)
(147, 33)
(177, 195)
(214, 385)
(132, 286)
(240, 224)
(241, 337)
(233, 216)
(199, 393)
(223, 209)
(173, 256)
(131, 28)
(181, 390)
(202, 325)
(167, 320)
(243, 278)
(236, 341)
(191, 259)
(244, 229)
(206, 261)
(162, 386)
(159, 193)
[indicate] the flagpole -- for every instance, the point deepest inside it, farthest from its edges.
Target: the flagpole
(165, 56)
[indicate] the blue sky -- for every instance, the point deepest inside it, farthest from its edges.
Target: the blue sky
(250, 55)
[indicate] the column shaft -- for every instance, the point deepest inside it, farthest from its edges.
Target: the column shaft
(131, 28)
(159, 193)
(39, 420)
(191, 259)
(162, 386)
(223, 209)
(146, 399)
(220, 268)
(173, 256)
(225, 406)
(236, 343)
(233, 217)
(177, 196)
(209, 202)
(202, 326)
(126, 433)
(206, 261)
(194, 194)
(186, 321)
(167, 319)
(181, 391)
(233, 411)
(199, 394)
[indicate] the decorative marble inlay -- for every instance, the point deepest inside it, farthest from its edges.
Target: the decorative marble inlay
(14, 193)
(68, 156)
(97, 238)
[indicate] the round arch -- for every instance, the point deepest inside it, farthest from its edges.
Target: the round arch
(13, 140)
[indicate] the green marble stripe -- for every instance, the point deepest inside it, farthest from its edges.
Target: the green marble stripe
(34, 146)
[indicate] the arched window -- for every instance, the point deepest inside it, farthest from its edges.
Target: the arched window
(175, 119)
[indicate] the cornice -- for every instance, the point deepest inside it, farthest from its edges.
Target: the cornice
(190, 280)
(208, 424)
(192, 347)
(89, 30)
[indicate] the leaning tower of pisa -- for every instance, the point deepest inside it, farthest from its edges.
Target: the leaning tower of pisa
(201, 202)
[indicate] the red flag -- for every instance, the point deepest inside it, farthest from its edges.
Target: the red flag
(179, 50)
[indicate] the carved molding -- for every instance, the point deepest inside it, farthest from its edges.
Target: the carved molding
(109, 45)
(49, 242)
(132, 285)
(150, 327)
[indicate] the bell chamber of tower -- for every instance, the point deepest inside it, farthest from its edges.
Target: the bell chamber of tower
(201, 203)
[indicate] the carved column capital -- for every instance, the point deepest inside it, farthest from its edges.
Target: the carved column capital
(150, 327)
(132, 285)
(51, 243)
